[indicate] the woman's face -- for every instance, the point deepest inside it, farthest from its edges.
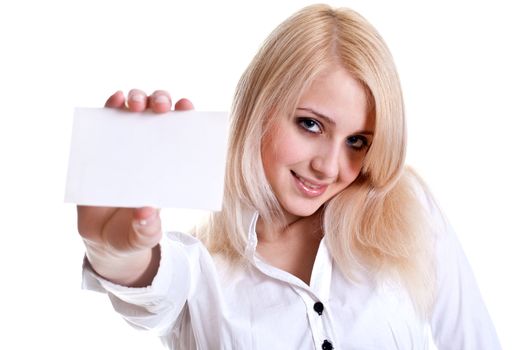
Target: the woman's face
(314, 154)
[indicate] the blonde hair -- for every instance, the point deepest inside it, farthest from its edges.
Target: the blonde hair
(377, 224)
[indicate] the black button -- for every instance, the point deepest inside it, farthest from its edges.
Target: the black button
(318, 307)
(327, 345)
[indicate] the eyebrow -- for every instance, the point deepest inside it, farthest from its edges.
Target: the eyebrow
(330, 120)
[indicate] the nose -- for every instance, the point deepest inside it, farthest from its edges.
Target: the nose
(325, 162)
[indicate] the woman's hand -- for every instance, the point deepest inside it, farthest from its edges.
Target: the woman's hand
(122, 243)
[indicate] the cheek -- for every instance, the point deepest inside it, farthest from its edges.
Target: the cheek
(352, 166)
(282, 150)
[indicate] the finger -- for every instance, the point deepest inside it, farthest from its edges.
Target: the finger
(137, 100)
(117, 100)
(160, 101)
(90, 221)
(144, 214)
(132, 230)
(147, 228)
(184, 105)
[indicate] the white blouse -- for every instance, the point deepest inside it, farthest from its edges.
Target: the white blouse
(199, 301)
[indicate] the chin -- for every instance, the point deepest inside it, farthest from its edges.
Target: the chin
(301, 211)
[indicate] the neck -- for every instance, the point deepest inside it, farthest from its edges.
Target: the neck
(311, 226)
(291, 247)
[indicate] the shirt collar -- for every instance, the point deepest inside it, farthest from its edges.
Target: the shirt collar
(249, 223)
(322, 270)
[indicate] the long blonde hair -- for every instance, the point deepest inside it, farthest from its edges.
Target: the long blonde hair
(377, 224)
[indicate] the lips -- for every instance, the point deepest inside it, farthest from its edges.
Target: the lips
(309, 188)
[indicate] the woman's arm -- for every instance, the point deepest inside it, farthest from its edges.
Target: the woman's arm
(459, 319)
(122, 243)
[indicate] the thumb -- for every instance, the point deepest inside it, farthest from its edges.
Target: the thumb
(147, 228)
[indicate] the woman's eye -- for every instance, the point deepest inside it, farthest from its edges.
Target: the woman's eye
(309, 124)
(357, 142)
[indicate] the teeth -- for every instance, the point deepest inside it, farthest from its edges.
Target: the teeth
(308, 184)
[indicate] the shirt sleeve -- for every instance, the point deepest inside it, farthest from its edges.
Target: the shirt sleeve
(158, 306)
(460, 319)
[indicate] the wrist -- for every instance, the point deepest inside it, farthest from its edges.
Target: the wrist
(132, 269)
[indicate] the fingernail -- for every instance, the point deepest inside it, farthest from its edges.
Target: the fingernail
(137, 98)
(147, 220)
(143, 222)
(161, 99)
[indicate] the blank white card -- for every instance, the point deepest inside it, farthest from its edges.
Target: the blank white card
(171, 160)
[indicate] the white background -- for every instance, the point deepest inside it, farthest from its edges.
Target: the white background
(461, 66)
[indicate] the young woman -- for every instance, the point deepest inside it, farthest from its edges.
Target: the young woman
(325, 240)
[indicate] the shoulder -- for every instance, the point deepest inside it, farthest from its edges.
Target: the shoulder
(446, 248)
(427, 202)
(182, 238)
(193, 249)
(175, 242)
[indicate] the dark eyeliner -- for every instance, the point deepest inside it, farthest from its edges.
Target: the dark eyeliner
(364, 141)
(301, 121)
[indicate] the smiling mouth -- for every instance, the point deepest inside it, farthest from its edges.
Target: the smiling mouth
(308, 188)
